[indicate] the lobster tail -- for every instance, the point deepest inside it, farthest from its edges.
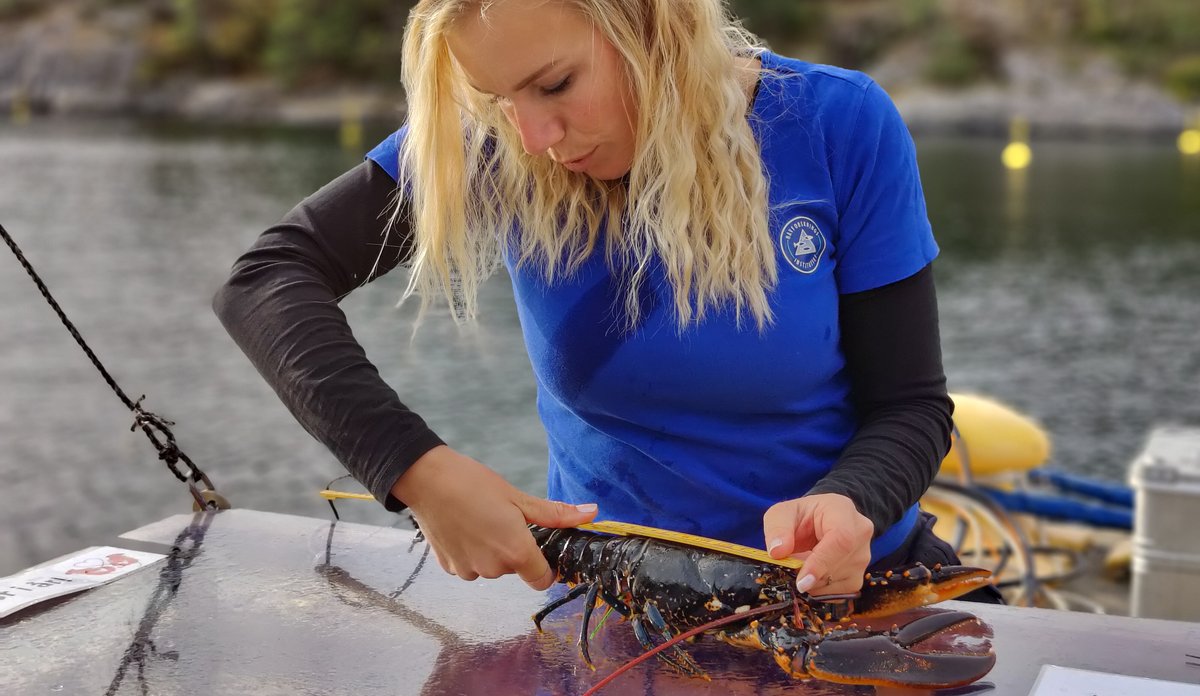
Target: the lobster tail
(551, 542)
(568, 551)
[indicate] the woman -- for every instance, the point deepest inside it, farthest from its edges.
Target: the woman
(721, 263)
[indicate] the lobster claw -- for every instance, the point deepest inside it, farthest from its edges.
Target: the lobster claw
(884, 659)
(894, 591)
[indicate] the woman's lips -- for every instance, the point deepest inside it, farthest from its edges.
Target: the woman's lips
(580, 163)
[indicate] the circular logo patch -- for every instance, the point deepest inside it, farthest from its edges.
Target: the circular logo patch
(802, 244)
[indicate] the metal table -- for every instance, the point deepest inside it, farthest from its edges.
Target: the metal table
(253, 602)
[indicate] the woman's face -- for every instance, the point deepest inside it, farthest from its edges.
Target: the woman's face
(561, 84)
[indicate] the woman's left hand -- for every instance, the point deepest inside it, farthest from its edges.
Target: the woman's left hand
(829, 534)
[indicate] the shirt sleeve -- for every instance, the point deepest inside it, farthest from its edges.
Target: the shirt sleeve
(893, 355)
(280, 306)
(883, 228)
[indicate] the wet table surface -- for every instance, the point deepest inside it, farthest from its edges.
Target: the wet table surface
(253, 602)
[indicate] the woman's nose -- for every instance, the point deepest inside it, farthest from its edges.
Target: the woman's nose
(540, 129)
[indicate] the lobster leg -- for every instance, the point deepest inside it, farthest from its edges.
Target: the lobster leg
(643, 635)
(616, 603)
(546, 610)
(756, 635)
(884, 659)
(660, 624)
(589, 603)
(678, 657)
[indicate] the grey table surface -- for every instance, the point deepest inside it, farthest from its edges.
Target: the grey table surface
(254, 602)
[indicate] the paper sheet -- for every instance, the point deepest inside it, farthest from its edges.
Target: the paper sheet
(89, 568)
(1067, 681)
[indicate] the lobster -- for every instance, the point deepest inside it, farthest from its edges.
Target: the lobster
(663, 587)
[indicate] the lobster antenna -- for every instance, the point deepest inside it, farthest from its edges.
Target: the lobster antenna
(682, 637)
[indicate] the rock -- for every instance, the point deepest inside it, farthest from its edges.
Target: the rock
(1093, 99)
(60, 64)
(66, 61)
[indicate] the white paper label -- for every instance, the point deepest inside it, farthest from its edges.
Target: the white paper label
(90, 568)
(1067, 681)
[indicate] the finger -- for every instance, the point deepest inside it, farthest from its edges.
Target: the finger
(554, 514)
(837, 584)
(535, 571)
(835, 550)
(779, 528)
(441, 560)
(847, 585)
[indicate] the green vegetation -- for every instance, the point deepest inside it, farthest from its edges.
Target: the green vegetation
(959, 42)
(780, 19)
(16, 9)
(295, 41)
(1183, 78)
(1148, 37)
(316, 38)
(952, 61)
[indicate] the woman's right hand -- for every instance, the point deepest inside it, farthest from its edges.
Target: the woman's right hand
(476, 521)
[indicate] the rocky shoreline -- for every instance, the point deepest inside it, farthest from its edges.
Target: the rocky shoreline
(63, 66)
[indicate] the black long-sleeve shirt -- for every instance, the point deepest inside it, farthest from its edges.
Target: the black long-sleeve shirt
(280, 305)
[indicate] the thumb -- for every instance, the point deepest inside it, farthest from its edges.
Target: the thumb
(554, 514)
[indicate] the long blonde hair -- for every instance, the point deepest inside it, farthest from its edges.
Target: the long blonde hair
(695, 198)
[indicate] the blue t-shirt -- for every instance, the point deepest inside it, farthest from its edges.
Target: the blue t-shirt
(702, 430)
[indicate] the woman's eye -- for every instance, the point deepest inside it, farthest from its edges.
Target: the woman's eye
(559, 87)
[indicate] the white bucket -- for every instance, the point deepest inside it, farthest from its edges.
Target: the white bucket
(1166, 531)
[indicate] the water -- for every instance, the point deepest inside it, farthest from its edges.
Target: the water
(1067, 292)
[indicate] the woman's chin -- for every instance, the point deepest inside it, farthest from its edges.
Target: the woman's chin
(607, 172)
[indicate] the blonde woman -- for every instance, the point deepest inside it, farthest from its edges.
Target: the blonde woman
(720, 258)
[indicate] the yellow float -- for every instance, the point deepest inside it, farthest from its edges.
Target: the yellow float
(993, 439)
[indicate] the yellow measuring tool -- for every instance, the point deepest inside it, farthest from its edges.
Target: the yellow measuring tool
(629, 529)
(339, 495)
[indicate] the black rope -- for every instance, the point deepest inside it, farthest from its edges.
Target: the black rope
(1029, 579)
(149, 422)
(420, 535)
(329, 487)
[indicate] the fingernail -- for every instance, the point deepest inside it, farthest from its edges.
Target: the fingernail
(805, 583)
(775, 543)
(586, 507)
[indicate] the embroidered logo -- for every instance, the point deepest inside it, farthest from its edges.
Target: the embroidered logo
(802, 244)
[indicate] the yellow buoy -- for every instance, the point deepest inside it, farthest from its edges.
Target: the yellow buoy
(1017, 154)
(1189, 141)
(993, 439)
(350, 134)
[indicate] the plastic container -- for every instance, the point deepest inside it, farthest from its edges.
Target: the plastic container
(1166, 535)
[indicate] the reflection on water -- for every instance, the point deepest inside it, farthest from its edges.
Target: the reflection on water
(1066, 293)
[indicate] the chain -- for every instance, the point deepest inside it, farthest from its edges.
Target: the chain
(151, 424)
